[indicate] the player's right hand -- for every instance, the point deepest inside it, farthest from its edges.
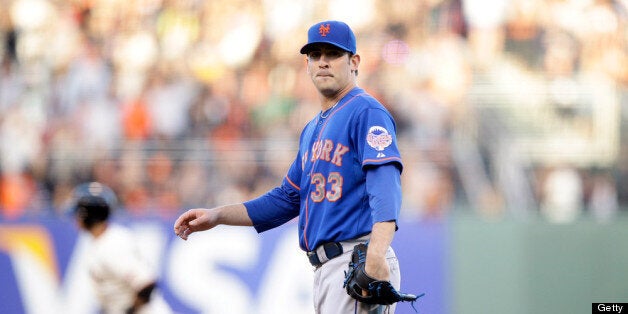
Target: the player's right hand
(198, 219)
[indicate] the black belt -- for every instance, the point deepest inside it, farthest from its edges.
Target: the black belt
(324, 253)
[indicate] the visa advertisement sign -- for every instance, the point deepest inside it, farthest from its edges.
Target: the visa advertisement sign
(226, 270)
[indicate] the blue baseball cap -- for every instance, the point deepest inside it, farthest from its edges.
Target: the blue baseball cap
(335, 33)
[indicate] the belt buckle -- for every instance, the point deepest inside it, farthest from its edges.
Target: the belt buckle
(313, 258)
(332, 249)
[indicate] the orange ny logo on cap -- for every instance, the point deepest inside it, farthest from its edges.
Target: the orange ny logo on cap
(323, 30)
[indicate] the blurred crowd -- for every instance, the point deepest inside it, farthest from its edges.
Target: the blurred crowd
(503, 107)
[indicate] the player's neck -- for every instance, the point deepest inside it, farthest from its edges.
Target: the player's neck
(327, 105)
(328, 101)
(98, 229)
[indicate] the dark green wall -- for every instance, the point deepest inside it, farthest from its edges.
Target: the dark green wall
(536, 267)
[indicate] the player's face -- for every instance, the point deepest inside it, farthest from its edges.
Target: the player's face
(330, 69)
(79, 222)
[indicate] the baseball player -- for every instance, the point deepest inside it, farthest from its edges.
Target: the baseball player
(122, 280)
(344, 184)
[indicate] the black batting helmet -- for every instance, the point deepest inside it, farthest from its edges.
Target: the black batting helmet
(93, 203)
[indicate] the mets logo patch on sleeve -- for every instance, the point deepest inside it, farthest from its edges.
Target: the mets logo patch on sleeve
(378, 138)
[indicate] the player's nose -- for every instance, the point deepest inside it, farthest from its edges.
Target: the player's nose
(323, 64)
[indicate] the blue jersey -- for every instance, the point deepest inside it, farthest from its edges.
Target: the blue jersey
(326, 184)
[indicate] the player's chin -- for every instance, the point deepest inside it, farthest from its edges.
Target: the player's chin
(327, 89)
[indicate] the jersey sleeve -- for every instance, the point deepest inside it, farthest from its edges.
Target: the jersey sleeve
(278, 205)
(383, 185)
(376, 138)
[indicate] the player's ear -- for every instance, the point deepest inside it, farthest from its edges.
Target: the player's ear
(354, 62)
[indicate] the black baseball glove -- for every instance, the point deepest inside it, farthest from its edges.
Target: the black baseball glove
(378, 291)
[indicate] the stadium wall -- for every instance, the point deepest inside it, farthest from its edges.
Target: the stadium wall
(463, 265)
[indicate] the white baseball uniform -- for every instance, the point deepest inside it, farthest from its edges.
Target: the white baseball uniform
(118, 271)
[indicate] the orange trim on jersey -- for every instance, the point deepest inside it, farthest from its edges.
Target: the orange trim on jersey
(307, 245)
(333, 113)
(292, 183)
(382, 159)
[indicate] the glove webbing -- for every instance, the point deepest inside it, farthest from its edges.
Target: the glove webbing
(412, 302)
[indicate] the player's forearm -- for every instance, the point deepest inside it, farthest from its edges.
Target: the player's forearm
(201, 219)
(233, 215)
(381, 238)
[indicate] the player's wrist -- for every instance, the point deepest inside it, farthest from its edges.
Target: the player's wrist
(377, 270)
